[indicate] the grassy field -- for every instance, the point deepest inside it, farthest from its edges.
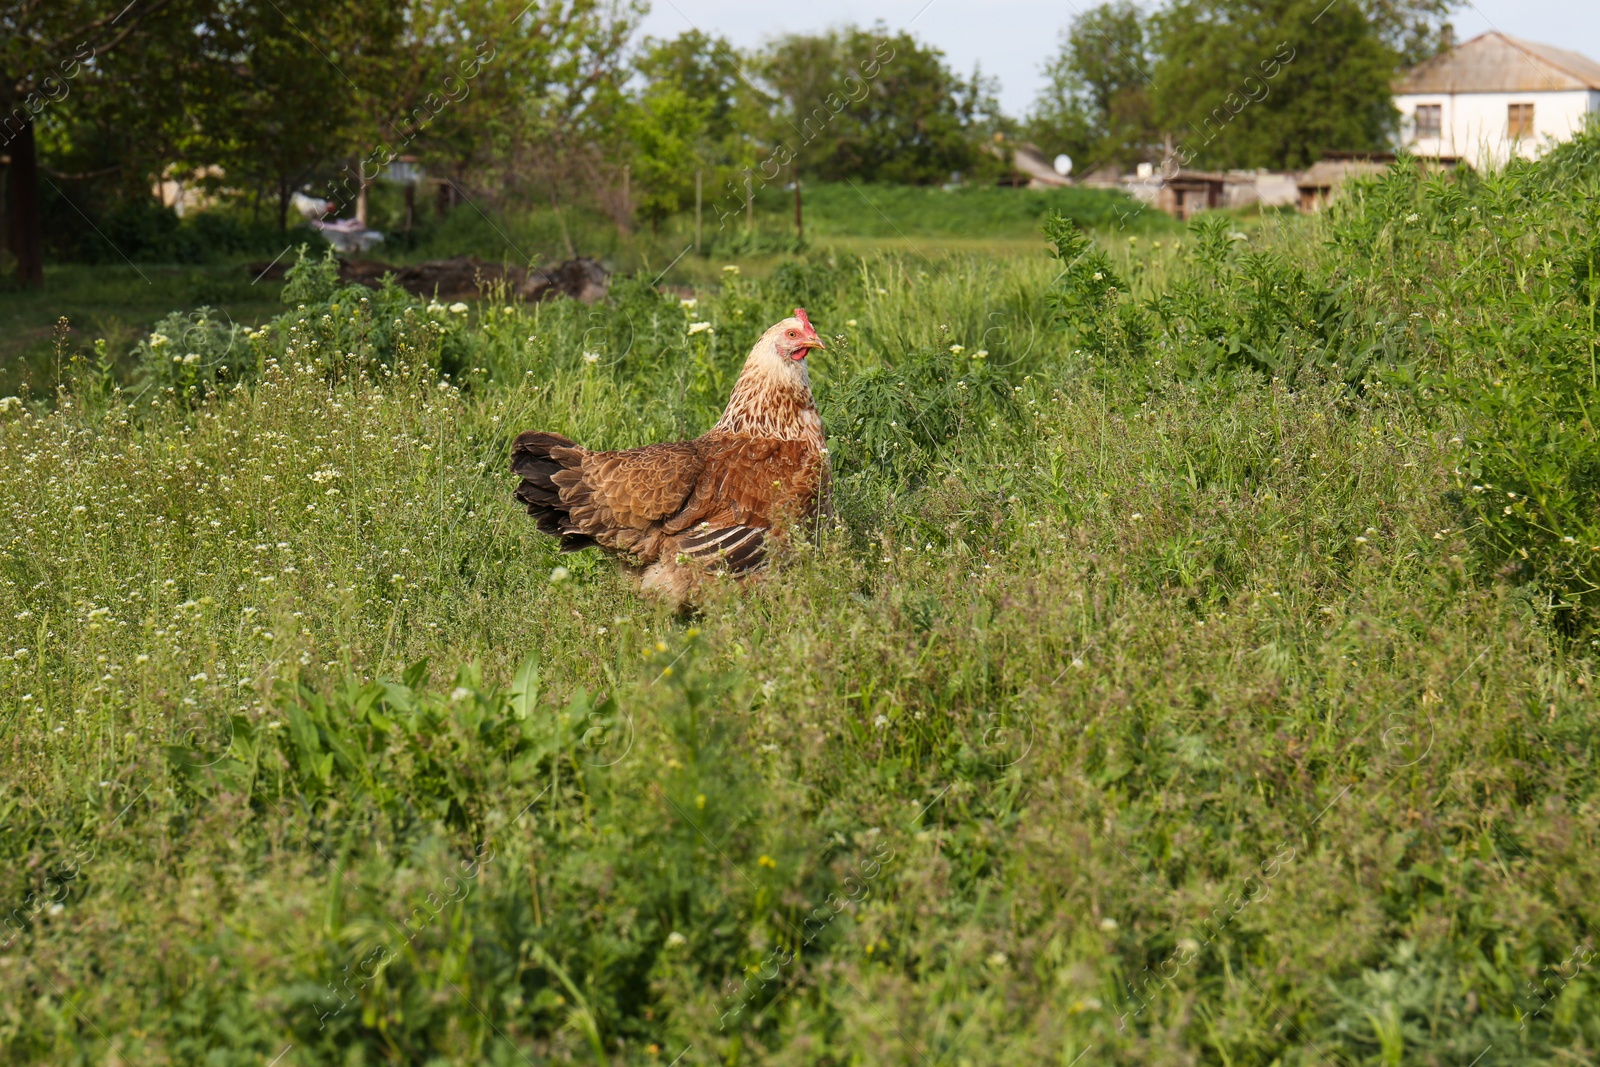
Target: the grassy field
(136, 280)
(1199, 668)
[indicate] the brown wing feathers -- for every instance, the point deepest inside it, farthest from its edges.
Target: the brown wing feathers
(539, 458)
(737, 549)
(612, 499)
(712, 500)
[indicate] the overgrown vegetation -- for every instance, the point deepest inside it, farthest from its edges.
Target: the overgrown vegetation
(1162, 692)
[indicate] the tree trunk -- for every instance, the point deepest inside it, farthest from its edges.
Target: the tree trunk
(24, 228)
(283, 206)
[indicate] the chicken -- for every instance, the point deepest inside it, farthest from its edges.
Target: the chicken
(680, 511)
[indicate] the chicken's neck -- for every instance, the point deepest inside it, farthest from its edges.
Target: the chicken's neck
(764, 404)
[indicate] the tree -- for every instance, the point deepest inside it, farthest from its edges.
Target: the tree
(664, 128)
(50, 52)
(562, 131)
(699, 112)
(867, 105)
(708, 70)
(281, 98)
(426, 87)
(1275, 83)
(1096, 104)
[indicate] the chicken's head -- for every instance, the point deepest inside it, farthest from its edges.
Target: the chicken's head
(794, 337)
(773, 394)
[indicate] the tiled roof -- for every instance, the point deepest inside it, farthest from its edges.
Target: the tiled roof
(1495, 63)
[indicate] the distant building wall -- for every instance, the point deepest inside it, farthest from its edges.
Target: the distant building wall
(1265, 187)
(1475, 127)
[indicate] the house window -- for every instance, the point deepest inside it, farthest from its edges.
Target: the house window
(1428, 120)
(1519, 121)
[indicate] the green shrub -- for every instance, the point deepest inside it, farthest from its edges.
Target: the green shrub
(193, 352)
(142, 231)
(1500, 276)
(1089, 298)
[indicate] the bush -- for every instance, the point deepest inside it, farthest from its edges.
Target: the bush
(1499, 278)
(193, 352)
(145, 232)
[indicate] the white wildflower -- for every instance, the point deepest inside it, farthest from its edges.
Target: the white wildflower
(560, 574)
(458, 308)
(699, 327)
(591, 357)
(688, 302)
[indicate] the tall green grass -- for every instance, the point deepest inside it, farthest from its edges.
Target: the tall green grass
(1152, 697)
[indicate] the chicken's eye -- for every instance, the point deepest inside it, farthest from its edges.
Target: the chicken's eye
(792, 333)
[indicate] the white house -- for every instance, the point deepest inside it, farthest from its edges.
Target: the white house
(1493, 97)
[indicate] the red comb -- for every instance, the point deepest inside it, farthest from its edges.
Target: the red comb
(800, 313)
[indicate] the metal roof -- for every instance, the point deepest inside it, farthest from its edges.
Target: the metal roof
(1495, 63)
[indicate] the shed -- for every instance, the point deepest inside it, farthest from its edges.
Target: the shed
(1322, 179)
(1188, 192)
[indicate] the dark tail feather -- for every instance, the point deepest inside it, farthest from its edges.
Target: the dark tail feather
(532, 459)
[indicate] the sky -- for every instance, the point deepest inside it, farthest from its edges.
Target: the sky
(1011, 39)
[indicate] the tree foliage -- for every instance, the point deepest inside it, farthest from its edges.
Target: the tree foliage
(1271, 83)
(1096, 104)
(873, 106)
(1230, 83)
(507, 103)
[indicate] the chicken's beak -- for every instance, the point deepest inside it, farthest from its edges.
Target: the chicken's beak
(808, 339)
(804, 345)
